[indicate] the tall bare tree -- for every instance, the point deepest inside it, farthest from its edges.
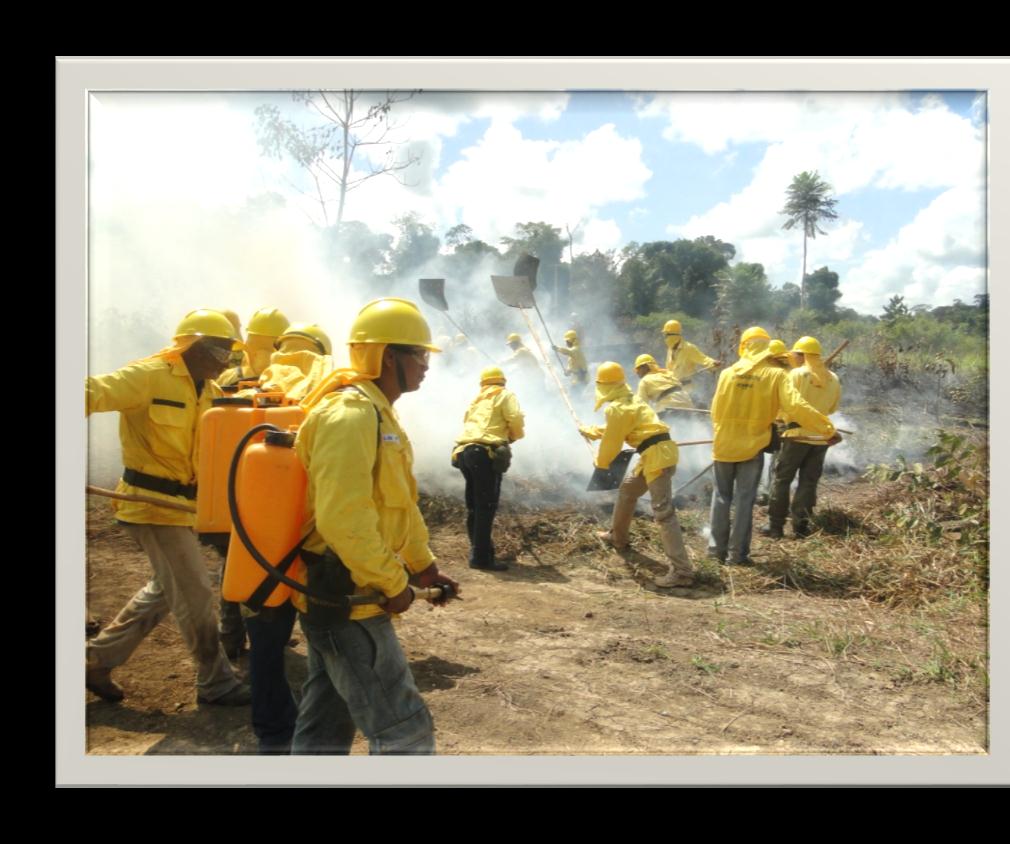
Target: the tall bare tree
(352, 121)
(808, 202)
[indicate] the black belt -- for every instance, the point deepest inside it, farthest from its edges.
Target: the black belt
(667, 392)
(156, 484)
(649, 443)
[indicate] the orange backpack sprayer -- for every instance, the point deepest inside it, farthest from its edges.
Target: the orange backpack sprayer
(220, 431)
(267, 504)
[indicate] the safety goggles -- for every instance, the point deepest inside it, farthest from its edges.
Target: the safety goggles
(219, 353)
(418, 353)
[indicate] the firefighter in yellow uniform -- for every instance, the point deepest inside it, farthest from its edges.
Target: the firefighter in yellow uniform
(658, 388)
(684, 359)
(265, 326)
(368, 537)
(303, 360)
(803, 450)
(631, 421)
(577, 369)
(748, 398)
(779, 355)
(483, 452)
(160, 400)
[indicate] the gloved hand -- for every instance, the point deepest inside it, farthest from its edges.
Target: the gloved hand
(431, 576)
(835, 439)
(589, 432)
(399, 603)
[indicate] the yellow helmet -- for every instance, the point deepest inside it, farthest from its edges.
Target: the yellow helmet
(571, 334)
(755, 332)
(646, 360)
(610, 373)
(312, 332)
(807, 345)
(672, 326)
(513, 338)
(491, 375)
(208, 323)
(269, 322)
(392, 321)
(776, 348)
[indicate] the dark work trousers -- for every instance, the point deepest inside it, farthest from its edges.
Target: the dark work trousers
(273, 706)
(231, 626)
(795, 457)
(483, 487)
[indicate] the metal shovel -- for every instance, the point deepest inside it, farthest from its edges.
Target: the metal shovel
(433, 292)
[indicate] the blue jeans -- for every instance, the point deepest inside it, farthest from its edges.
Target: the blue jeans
(359, 679)
(273, 705)
(736, 484)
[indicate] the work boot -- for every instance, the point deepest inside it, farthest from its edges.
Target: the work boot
(772, 532)
(607, 538)
(672, 579)
(100, 682)
(241, 695)
(802, 530)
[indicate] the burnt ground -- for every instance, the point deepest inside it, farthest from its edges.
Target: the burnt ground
(574, 651)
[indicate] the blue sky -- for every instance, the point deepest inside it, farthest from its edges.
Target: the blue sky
(908, 171)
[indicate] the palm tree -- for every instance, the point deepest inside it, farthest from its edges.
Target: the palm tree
(808, 203)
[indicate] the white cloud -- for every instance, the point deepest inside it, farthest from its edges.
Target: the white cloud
(854, 141)
(936, 258)
(598, 234)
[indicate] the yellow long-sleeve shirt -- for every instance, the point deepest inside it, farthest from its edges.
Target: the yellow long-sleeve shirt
(822, 391)
(652, 387)
(576, 360)
(494, 418)
(748, 397)
(631, 421)
(684, 359)
(158, 430)
(363, 495)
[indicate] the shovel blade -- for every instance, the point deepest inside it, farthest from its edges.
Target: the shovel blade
(611, 477)
(514, 291)
(527, 265)
(433, 292)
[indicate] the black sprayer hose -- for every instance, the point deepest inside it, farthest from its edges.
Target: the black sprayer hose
(243, 535)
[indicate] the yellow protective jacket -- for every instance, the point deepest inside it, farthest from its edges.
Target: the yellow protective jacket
(747, 399)
(493, 418)
(159, 424)
(522, 361)
(363, 495)
(295, 374)
(631, 421)
(821, 391)
(576, 360)
(684, 359)
(652, 387)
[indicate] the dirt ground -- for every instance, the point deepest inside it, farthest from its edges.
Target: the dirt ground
(574, 651)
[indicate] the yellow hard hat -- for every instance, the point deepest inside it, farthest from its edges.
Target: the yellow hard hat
(571, 334)
(492, 375)
(755, 332)
(312, 332)
(645, 360)
(807, 345)
(392, 321)
(513, 338)
(777, 348)
(672, 326)
(610, 373)
(208, 323)
(268, 322)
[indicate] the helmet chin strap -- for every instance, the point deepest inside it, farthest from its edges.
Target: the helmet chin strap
(400, 377)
